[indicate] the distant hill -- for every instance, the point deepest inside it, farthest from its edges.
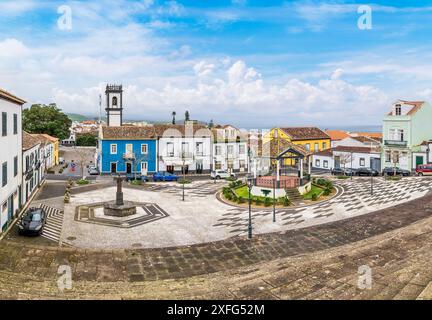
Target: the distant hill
(76, 117)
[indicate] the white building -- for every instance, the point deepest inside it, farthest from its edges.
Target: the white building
(10, 157)
(184, 146)
(358, 141)
(33, 166)
(347, 157)
(230, 149)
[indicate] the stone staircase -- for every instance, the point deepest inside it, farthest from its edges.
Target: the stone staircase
(294, 195)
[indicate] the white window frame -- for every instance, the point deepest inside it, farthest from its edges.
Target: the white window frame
(242, 149)
(131, 148)
(307, 146)
(111, 148)
(316, 146)
(317, 163)
(325, 164)
(362, 162)
(145, 146)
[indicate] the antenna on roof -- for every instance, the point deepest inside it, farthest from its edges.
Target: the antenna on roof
(100, 109)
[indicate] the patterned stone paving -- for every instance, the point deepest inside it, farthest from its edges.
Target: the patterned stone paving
(356, 197)
(320, 262)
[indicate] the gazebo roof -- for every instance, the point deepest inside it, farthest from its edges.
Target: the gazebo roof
(281, 148)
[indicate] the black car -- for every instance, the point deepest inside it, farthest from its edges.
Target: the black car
(367, 172)
(343, 172)
(399, 172)
(32, 222)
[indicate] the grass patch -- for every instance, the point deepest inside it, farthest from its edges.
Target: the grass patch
(82, 182)
(184, 181)
(342, 177)
(136, 182)
(314, 190)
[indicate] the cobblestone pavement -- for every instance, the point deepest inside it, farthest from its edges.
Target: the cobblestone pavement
(313, 263)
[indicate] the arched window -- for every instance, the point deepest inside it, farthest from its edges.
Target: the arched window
(114, 101)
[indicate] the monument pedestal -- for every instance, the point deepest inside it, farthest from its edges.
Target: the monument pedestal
(119, 208)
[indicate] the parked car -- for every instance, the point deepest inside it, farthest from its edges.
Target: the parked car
(32, 222)
(133, 176)
(221, 174)
(343, 172)
(399, 172)
(367, 172)
(165, 176)
(424, 170)
(93, 171)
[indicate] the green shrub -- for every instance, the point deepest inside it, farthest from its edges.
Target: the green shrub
(321, 182)
(82, 182)
(286, 202)
(328, 191)
(184, 181)
(241, 200)
(267, 202)
(314, 197)
(232, 179)
(342, 177)
(136, 182)
(258, 201)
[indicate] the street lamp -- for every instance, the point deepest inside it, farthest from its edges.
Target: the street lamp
(250, 185)
(274, 200)
(351, 160)
(372, 183)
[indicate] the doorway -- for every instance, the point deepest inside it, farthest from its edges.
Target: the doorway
(10, 207)
(113, 167)
(199, 167)
(419, 160)
(128, 167)
(170, 169)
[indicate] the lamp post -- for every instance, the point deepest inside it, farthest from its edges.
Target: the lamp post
(371, 183)
(250, 185)
(274, 200)
(351, 160)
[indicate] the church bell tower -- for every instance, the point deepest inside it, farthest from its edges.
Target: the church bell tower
(114, 105)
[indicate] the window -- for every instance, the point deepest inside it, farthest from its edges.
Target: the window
(317, 163)
(144, 148)
(15, 166)
(199, 149)
(15, 123)
(218, 165)
(218, 150)
(129, 148)
(185, 147)
(398, 110)
(307, 146)
(325, 164)
(4, 174)
(114, 101)
(362, 162)
(230, 150)
(324, 145)
(27, 163)
(113, 148)
(242, 164)
(401, 135)
(170, 149)
(316, 147)
(113, 167)
(388, 156)
(144, 167)
(4, 124)
(242, 149)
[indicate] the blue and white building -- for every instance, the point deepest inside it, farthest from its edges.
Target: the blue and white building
(125, 149)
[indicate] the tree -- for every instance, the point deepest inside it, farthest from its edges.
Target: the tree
(187, 116)
(346, 158)
(173, 117)
(47, 119)
(86, 140)
(211, 124)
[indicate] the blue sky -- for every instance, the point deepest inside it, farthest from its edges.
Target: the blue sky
(246, 62)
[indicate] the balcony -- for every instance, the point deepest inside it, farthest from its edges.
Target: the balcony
(395, 143)
(129, 156)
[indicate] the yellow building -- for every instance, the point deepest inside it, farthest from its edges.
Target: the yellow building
(311, 138)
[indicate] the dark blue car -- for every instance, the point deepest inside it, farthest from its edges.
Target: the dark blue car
(164, 176)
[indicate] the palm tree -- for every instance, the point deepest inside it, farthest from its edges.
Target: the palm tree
(174, 115)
